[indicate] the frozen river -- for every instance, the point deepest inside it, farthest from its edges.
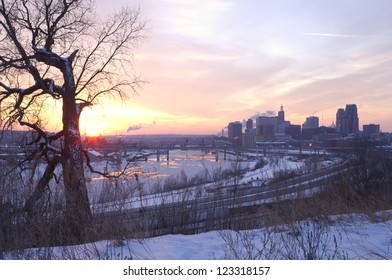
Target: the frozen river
(189, 163)
(189, 168)
(192, 162)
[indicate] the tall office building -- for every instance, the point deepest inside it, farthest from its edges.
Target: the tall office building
(347, 121)
(248, 138)
(266, 127)
(234, 130)
(249, 126)
(341, 122)
(311, 122)
(369, 129)
(352, 118)
(294, 131)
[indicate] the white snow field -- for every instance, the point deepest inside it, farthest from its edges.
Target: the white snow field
(354, 237)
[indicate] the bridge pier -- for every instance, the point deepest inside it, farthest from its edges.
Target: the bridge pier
(167, 155)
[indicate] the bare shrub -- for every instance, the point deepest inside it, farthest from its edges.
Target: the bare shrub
(250, 244)
(310, 240)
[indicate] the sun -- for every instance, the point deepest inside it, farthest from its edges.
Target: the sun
(92, 123)
(91, 130)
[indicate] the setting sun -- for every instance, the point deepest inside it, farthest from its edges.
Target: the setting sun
(90, 128)
(118, 118)
(92, 122)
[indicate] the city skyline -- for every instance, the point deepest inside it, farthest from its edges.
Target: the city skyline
(209, 62)
(276, 128)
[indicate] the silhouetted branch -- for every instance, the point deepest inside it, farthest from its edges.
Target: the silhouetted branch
(106, 174)
(41, 186)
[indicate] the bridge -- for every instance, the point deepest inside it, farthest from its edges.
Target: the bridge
(221, 153)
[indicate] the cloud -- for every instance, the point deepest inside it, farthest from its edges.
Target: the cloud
(332, 35)
(134, 127)
(140, 126)
(268, 113)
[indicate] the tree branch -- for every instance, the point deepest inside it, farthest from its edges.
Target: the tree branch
(11, 32)
(105, 173)
(42, 185)
(118, 36)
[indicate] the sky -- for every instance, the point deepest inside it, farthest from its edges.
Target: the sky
(210, 62)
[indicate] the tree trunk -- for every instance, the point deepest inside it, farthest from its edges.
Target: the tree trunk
(78, 212)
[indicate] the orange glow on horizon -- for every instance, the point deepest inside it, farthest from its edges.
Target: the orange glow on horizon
(94, 121)
(116, 117)
(91, 129)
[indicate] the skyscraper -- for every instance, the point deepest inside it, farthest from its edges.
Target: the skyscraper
(249, 126)
(341, 122)
(311, 122)
(352, 118)
(234, 130)
(248, 138)
(347, 121)
(266, 127)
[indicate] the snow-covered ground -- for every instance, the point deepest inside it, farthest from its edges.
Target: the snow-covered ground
(353, 236)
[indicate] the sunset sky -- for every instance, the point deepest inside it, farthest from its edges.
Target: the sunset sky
(208, 63)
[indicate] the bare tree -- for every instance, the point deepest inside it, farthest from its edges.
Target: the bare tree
(57, 51)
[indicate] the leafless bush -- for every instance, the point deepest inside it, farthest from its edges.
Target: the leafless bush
(283, 174)
(117, 189)
(310, 240)
(250, 244)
